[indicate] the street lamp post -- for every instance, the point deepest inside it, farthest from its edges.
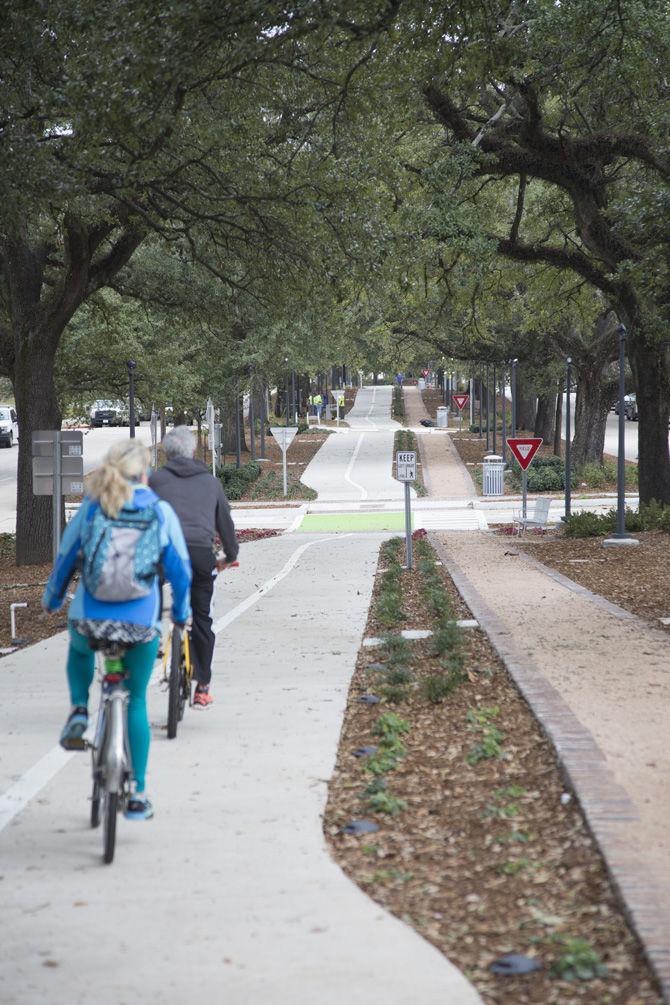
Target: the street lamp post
(568, 438)
(514, 364)
(503, 407)
(481, 396)
(131, 364)
(495, 410)
(488, 410)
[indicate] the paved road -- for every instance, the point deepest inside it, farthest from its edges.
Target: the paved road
(96, 444)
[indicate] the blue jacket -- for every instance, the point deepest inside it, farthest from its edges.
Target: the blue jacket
(143, 610)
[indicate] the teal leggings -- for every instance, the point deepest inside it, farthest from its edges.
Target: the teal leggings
(138, 662)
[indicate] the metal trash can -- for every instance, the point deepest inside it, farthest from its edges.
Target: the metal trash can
(493, 481)
(442, 417)
(422, 383)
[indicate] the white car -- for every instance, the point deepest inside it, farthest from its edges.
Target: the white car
(9, 426)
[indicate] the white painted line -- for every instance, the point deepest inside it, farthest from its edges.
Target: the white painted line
(19, 795)
(299, 517)
(347, 473)
(268, 585)
(371, 409)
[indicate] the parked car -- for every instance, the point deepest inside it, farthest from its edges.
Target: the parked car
(105, 413)
(630, 407)
(626, 399)
(9, 426)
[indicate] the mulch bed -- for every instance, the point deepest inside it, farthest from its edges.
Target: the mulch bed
(270, 483)
(485, 859)
(637, 579)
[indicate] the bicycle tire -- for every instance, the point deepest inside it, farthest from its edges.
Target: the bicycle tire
(111, 810)
(174, 689)
(95, 804)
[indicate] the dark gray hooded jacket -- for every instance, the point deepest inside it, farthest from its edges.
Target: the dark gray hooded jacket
(199, 501)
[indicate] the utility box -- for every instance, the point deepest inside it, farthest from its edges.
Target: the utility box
(494, 477)
(442, 417)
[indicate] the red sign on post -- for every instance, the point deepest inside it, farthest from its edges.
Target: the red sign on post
(460, 400)
(524, 448)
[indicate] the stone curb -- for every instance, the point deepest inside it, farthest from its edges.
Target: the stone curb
(605, 804)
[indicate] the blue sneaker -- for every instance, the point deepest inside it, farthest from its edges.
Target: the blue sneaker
(138, 808)
(72, 736)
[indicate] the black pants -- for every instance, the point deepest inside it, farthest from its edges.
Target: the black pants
(202, 588)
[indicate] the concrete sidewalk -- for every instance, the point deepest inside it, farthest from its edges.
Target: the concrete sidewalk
(229, 894)
(356, 466)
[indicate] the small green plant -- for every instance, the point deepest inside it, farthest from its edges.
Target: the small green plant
(515, 836)
(397, 649)
(369, 849)
(384, 760)
(398, 675)
(386, 802)
(394, 694)
(515, 866)
(436, 687)
(447, 639)
(510, 792)
(578, 961)
(389, 726)
(388, 875)
(504, 812)
(490, 744)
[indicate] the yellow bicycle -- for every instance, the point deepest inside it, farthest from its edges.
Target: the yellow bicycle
(178, 674)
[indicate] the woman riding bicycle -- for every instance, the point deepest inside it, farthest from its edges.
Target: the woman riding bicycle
(120, 537)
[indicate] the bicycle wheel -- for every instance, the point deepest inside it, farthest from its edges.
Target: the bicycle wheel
(95, 803)
(111, 809)
(174, 686)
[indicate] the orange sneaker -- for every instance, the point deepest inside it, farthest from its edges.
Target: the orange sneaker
(202, 698)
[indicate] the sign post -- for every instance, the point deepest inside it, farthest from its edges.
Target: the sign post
(460, 401)
(284, 437)
(211, 418)
(524, 449)
(153, 424)
(405, 462)
(58, 470)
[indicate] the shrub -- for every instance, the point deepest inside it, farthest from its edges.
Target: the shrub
(438, 686)
(236, 480)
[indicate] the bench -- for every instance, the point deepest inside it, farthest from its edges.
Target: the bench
(537, 517)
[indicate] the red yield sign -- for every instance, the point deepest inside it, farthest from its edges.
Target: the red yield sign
(524, 448)
(460, 401)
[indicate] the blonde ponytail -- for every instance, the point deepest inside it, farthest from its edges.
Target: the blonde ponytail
(125, 462)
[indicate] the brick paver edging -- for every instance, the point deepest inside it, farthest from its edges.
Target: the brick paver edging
(604, 804)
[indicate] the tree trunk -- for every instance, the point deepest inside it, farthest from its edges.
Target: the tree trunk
(228, 430)
(652, 380)
(545, 417)
(592, 405)
(526, 403)
(36, 408)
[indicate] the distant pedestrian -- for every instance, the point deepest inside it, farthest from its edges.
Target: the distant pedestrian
(318, 405)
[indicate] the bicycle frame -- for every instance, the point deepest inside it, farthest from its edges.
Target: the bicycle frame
(186, 639)
(112, 751)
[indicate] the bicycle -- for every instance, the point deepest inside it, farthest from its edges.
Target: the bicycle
(111, 762)
(179, 678)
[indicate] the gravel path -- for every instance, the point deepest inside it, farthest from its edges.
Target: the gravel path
(445, 475)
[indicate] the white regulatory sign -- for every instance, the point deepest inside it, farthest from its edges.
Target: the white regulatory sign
(284, 436)
(406, 465)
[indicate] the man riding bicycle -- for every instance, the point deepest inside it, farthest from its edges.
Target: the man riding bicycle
(200, 503)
